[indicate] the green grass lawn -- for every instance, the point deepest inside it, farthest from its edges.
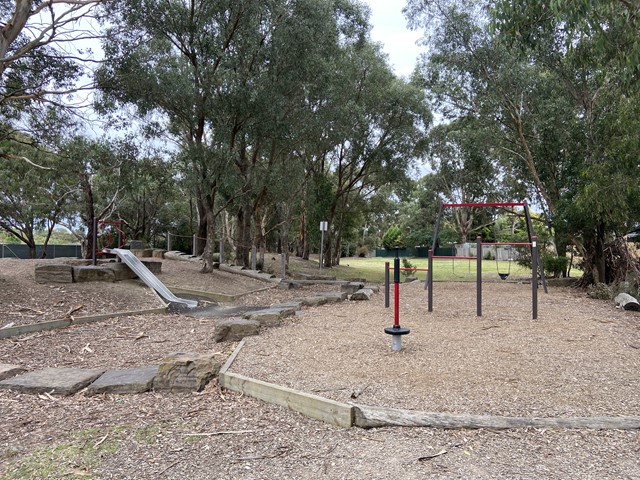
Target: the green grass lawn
(372, 269)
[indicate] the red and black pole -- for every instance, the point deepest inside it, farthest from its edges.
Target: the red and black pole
(396, 331)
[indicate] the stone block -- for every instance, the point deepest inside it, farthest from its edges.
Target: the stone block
(133, 380)
(93, 274)
(362, 294)
(333, 297)
(271, 317)
(313, 301)
(351, 287)
(185, 372)
(154, 266)
(158, 253)
(58, 381)
(295, 304)
(121, 271)
(235, 329)
(8, 371)
(54, 273)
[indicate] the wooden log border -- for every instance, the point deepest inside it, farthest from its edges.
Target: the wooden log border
(66, 322)
(313, 406)
(373, 417)
(363, 416)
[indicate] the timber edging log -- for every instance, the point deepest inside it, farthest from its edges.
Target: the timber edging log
(374, 417)
(347, 415)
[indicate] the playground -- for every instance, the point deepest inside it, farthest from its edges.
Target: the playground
(578, 359)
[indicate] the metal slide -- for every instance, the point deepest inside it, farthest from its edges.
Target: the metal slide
(147, 277)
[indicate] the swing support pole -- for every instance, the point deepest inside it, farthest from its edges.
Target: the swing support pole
(479, 276)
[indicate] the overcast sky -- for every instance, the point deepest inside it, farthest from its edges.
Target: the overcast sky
(390, 29)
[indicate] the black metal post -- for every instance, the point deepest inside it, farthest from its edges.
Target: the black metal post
(386, 284)
(430, 280)
(479, 276)
(534, 277)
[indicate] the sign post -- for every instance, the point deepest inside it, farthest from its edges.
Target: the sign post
(324, 226)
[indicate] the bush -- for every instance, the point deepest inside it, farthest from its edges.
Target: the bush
(393, 238)
(555, 266)
(601, 291)
(407, 264)
(362, 251)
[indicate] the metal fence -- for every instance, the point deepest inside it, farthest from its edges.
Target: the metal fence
(20, 250)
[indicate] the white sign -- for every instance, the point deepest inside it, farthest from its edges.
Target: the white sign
(324, 226)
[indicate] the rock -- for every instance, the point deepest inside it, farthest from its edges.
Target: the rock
(133, 380)
(271, 317)
(351, 287)
(313, 301)
(8, 371)
(185, 372)
(363, 294)
(410, 279)
(333, 297)
(121, 271)
(235, 329)
(307, 276)
(58, 381)
(153, 266)
(136, 245)
(289, 285)
(93, 274)
(54, 273)
(158, 253)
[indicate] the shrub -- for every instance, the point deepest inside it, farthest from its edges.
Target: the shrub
(601, 291)
(393, 238)
(555, 266)
(363, 251)
(407, 264)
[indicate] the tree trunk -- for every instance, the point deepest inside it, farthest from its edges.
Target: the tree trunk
(243, 235)
(210, 244)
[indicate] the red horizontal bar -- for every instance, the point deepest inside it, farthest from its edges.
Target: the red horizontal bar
(499, 204)
(450, 257)
(521, 244)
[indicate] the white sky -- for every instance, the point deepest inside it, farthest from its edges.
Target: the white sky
(390, 28)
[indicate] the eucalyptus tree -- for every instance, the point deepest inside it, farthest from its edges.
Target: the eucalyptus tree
(379, 124)
(593, 51)
(41, 62)
(229, 79)
(31, 200)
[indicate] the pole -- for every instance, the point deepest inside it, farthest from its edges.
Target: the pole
(194, 245)
(95, 241)
(321, 247)
(396, 292)
(479, 276)
(534, 277)
(430, 280)
(386, 284)
(222, 250)
(168, 241)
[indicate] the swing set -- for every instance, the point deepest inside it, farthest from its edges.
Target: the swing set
(504, 275)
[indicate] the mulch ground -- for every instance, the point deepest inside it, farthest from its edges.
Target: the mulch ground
(580, 357)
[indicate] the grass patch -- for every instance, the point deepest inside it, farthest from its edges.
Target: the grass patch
(74, 458)
(372, 269)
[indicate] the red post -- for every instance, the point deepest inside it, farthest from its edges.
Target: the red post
(396, 289)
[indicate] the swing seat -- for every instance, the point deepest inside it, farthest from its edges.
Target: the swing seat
(503, 276)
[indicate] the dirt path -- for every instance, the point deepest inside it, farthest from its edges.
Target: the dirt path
(580, 358)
